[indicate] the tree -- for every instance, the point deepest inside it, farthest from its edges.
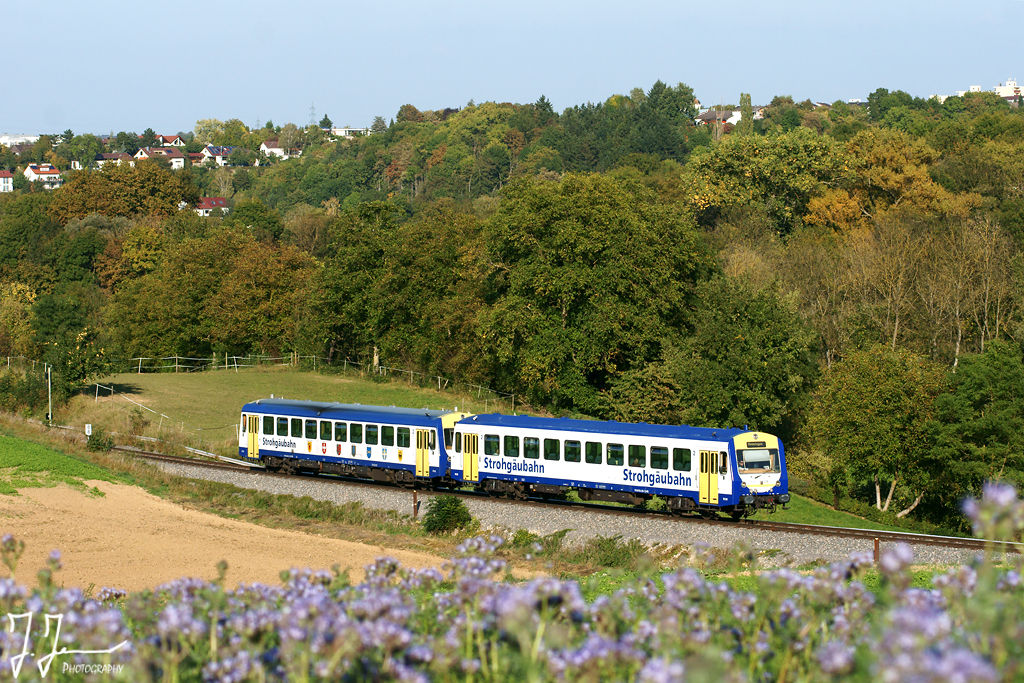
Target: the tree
(379, 125)
(746, 124)
(254, 216)
(326, 122)
(149, 138)
(16, 336)
(872, 414)
(208, 130)
(587, 277)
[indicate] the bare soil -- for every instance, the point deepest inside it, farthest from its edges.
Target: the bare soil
(133, 540)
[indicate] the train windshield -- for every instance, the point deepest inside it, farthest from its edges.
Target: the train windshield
(753, 460)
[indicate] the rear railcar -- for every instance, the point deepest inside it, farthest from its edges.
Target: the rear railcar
(398, 445)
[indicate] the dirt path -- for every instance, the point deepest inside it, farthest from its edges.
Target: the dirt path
(133, 540)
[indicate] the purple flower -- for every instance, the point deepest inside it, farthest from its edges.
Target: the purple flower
(835, 657)
(661, 670)
(894, 561)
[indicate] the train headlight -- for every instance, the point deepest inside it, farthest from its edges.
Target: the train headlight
(747, 499)
(782, 497)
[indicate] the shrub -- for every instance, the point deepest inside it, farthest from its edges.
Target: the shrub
(446, 514)
(99, 440)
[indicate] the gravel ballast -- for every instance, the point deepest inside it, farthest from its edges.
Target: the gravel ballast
(779, 548)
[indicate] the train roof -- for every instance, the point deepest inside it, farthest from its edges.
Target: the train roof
(343, 411)
(601, 427)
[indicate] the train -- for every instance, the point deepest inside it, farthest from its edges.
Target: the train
(698, 470)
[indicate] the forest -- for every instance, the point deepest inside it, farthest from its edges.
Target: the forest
(850, 277)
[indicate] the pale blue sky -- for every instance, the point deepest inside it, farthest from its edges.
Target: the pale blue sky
(111, 65)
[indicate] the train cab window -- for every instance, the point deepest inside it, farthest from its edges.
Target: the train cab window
(572, 451)
(723, 463)
(403, 437)
(758, 460)
(511, 446)
(638, 456)
(243, 423)
(593, 453)
(681, 459)
(268, 424)
(432, 444)
(659, 457)
(371, 434)
(310, 429)
(340, 431)
(458, 442)
(355, 432)
(531, 447)
(296, 428)
(387, 436)
(615, 453)
(492, 444)
(448, 437)
(282, 426)
(552, 449)
(325, 430)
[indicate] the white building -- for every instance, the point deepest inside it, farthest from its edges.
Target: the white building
(8, 139)
(6, 181)
(47, 174)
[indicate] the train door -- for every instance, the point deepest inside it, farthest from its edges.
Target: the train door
(709, 477)
(254, 437)
(470, 456)
(724, 475)
(422, 453)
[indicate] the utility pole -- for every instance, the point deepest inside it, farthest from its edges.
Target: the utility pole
(49, 396)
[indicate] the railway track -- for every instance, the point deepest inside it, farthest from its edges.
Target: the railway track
(870, 535)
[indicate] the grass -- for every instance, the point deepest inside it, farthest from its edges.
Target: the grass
(29, 465)
(205, 406)
(801, 510)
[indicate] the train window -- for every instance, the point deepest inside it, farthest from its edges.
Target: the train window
(552, 449)
(243, 423)
(681, 458)
(325, 430)
(403, 437)
(758, 460)
(340, 431)
(659, 457)
(296, 428)
(723, 461)
(492, 444)
(310, 429)
(387, 436)
(268, 424)
(615, 452)
(433, 440)
(458, 442)
(355, 433)
(511, 446)
(371, 434)
(572, 451)
(448, 437)
(282, 426)
(638, 456)
(703, 462)
(593, 455)
(531, 447)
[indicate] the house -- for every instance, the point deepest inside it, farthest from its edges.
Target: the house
(348, 132)
(171, 141)
(171, 154)
(219, 155)
(206, 207)
(6, 181)
(715, 116)
(47, 174)
(118, 158)
(273, 148)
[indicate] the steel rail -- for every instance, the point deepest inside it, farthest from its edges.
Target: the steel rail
(881, 536)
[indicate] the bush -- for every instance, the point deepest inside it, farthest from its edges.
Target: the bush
(446, 514)
(99, 440)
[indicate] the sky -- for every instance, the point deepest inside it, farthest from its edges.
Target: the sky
(101, 66)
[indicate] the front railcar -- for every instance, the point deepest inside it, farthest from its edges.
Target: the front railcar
(761, 467)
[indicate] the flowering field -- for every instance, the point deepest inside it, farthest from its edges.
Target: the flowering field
(469, 624)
